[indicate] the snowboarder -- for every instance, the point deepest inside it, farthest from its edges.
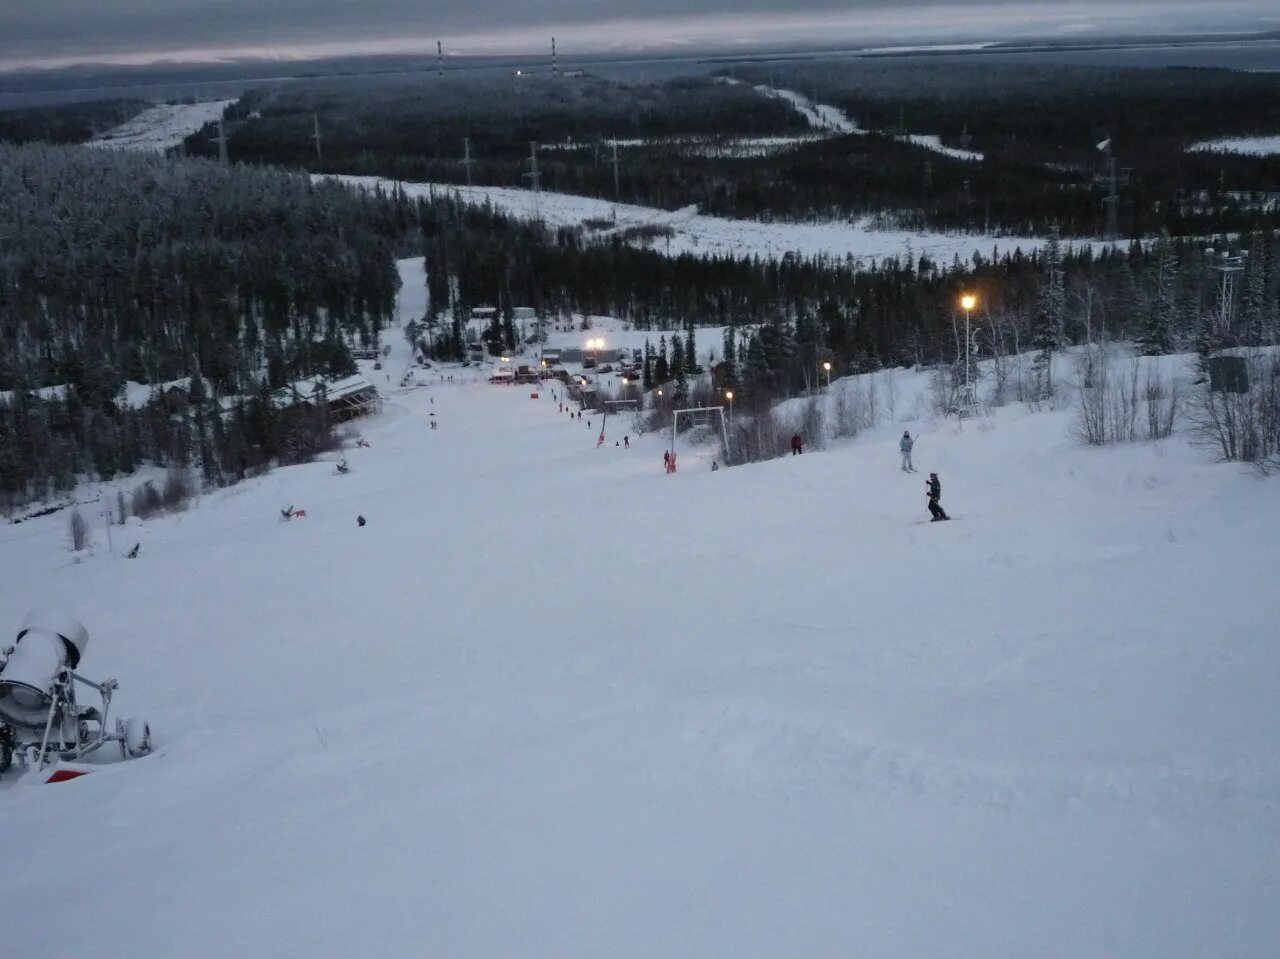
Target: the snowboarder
(343, 468)
(935, 493)
(626, 442)
(666, 460)
(714, 466)
(359, 520)
(905, 445)
(133, 553)
(671, 462)
(797, 444)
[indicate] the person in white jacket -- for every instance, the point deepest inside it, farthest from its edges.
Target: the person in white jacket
(905, 445)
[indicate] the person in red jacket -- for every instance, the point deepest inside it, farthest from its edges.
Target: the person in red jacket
(797, 445)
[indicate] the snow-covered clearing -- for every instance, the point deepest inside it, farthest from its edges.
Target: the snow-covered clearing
(551, 702)
(821, 116)
(834, 121)
(162, 126)
(1254, 146)
(692, 232)
(930, 142)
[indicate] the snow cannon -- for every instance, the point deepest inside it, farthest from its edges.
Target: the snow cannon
(40, 720)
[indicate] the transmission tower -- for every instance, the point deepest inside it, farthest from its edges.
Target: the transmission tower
(965, 139)
(1113, 199)
(315, 135)
(466, 158)
(616, 189)
(555, 64)
(534, 176)
(221, 140)
(439, 59)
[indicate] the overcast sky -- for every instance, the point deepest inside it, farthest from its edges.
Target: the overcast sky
(56, 32)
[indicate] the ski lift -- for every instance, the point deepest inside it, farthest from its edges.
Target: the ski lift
(40, 720)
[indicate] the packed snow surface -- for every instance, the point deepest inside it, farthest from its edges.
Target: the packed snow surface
(1256, 146)
(692, 232)
(553, 702)
(162, 127)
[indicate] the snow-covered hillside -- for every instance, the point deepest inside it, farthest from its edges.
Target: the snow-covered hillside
(161, 127)
(1255, 146)
(551, 701)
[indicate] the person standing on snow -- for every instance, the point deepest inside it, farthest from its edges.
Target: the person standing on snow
(797, 444)
(935, 494)
(905, 445)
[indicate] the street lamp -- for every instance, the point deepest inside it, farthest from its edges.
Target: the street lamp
(728, 395)
(968, 301)
(826, 366)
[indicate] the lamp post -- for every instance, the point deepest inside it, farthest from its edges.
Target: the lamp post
(826, 367)
(728, 395)
(968, 301)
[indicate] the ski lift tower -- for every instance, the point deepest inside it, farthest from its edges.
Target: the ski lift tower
(1227, 264)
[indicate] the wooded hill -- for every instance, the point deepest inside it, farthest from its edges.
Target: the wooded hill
(1037, 126)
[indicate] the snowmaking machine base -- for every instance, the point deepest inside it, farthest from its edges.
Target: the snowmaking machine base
(41, 720)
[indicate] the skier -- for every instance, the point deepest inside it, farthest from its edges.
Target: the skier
(626, 442)
(360, 520)
(905, 445)
(714, 466)
(666, 461)
(343, 468)
(935, 493)
(797, 444)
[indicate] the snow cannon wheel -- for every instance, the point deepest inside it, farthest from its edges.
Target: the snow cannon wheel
(135, 737)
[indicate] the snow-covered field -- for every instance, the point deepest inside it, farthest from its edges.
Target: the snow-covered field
(161, 127)
(553, 702)
(693, 232)
(1256, 146)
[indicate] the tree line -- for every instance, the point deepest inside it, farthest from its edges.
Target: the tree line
(120, 267)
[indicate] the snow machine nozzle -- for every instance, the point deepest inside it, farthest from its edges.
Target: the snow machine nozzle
(40, 720)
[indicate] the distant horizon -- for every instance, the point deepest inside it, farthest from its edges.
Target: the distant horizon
(959, 22)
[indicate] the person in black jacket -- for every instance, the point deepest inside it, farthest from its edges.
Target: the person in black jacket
(935, 493)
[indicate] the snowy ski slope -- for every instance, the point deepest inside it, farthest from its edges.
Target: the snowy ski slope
(553, 702)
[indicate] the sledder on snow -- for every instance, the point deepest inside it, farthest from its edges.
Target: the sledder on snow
(40, 720)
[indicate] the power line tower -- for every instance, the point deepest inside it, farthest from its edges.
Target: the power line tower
(439, 59)
(1112, 199)
(555, 64)
(315, 135)
(221, 140)
(466, 158)
(535, 177)
(616, 180)
(965, 139)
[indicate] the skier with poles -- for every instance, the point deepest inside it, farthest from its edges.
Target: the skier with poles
(935, 493)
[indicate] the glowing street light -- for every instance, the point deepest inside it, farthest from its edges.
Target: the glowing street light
(826, 366)
(968, 302)
(728, 395)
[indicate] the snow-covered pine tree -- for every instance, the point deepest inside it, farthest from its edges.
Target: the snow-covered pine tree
(661, 371)
(1156, 335)
(729, 370)
(1051, 307)
(677, 357)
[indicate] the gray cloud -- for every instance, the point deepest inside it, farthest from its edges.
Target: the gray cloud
(63, 30)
